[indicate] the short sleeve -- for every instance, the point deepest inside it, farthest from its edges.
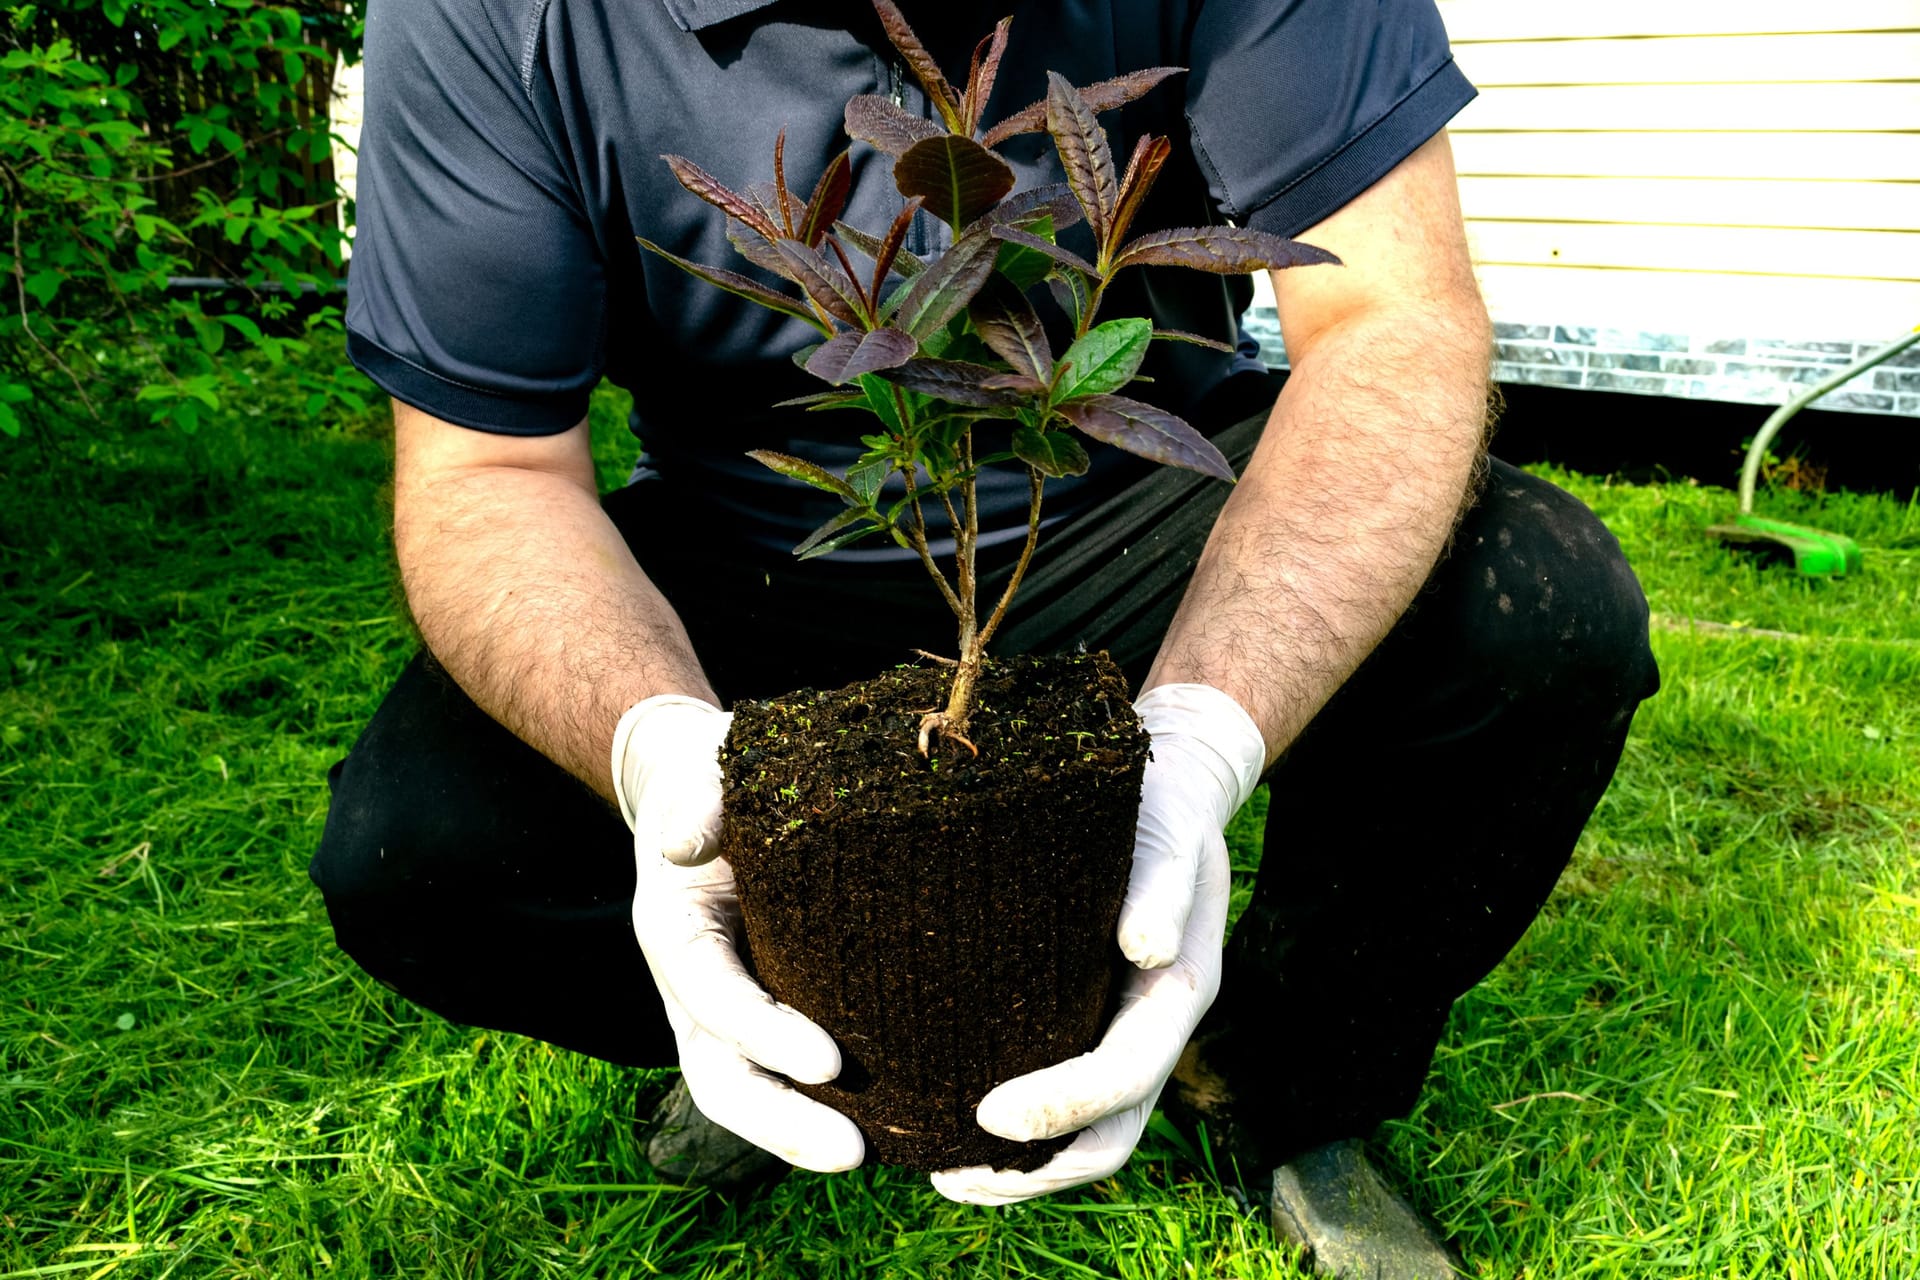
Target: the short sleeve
(1297, 106)
(475, 292)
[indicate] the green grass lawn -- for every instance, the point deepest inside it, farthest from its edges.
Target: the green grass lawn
(1703, 1060)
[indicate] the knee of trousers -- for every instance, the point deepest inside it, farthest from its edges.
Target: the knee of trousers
(381, 868)
(1547, 600)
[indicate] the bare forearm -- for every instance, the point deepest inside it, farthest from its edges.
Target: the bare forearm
(1341, 515)
(528, 596)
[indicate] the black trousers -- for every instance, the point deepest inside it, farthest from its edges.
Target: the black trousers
(1414, 829)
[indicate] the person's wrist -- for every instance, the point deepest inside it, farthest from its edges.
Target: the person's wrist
(1208, 734)
(666, 773)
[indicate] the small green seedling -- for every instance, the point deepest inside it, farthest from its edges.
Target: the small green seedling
(948, 354)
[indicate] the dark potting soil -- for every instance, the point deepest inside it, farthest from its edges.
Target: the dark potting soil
(950, 922)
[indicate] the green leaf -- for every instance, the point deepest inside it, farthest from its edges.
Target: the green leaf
(212, 336)
(9, 421)
(957, 177)
(752, 291)
(43, 285)
(1045, 248)
(848, 526)
(1024, 267)
(242, 326)
(869, 476)
(15, 393)
(1052, 453)
(1106, 358)
(806, 472)
(1148, 431)
(1069, 289)
(295, 69)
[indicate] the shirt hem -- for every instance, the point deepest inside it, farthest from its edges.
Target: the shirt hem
(1366, 157)
(458, 403)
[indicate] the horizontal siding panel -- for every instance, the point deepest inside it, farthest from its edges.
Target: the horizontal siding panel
(1705, 303)
(1703, 107)
(1696, 59)
(1890, 255)
(1473, 20)
(1838, 156)
(1869, 206)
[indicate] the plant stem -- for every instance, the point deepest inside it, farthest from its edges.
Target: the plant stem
(917, 535)
(1034, 481)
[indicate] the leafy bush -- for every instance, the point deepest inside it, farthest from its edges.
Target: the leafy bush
(154, 145)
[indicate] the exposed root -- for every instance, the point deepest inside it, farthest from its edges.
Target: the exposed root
(948, 726)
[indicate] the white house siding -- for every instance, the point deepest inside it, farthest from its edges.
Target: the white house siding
(1714, 199)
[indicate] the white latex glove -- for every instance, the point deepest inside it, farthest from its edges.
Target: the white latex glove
(731, 1034)
(1207, 758)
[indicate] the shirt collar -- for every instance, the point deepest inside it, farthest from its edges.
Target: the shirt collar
(693, 15)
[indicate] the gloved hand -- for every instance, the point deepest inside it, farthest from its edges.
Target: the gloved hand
(731, 1034)
(1207, 758)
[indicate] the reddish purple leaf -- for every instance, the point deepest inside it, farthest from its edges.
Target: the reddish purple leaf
(708, 188)
(1084, 154)
(846, 357)
(1148, 431)
(957, 177)
(885, 125)
(780, 180)
(1014, 382)
(1148, 155)
(1228, 251)
(1181, 335)
(1014, 235)
(761, 253)
(948, 285)
(980, 78)
(885, 251)
(1007, 323)
(956, 382)
(889, 253)
(751, 290)
(1104, 96)
(925, 69)
(824, 282)
(828, 201)
(1055, 199)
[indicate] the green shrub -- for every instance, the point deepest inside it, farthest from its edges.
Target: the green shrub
(146, 145)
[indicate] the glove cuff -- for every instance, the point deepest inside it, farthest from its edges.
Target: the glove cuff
(645, 722)
(1222, 736)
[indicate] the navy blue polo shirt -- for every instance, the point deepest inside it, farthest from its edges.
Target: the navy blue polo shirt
(511, 153)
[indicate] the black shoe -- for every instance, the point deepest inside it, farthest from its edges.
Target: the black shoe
(684, 1145)
(1334, 1204)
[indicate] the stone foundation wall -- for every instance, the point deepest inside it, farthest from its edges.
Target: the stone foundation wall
(1750, 370)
